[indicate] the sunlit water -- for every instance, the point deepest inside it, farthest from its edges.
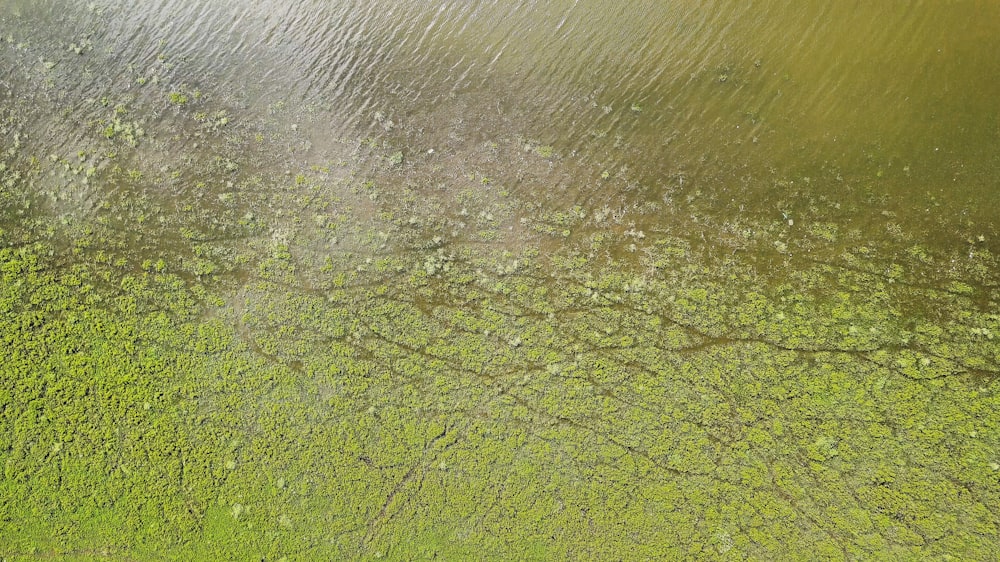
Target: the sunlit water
(757, 106)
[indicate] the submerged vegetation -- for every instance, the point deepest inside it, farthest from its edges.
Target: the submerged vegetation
(215, 345)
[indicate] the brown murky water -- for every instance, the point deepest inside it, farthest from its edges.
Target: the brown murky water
(754, 107)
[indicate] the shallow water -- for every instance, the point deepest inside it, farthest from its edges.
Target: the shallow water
(734, 100)
(487, 279)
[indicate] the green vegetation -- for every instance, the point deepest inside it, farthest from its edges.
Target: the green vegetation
(435, 409)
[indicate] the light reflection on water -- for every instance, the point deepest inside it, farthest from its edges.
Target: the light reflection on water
(878, 107)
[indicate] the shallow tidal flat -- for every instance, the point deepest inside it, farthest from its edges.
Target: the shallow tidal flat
(477, 282)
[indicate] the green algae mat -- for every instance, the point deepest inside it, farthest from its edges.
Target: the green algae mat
(218, 342)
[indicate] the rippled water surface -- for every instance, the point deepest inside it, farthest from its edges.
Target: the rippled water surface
(733, 100)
